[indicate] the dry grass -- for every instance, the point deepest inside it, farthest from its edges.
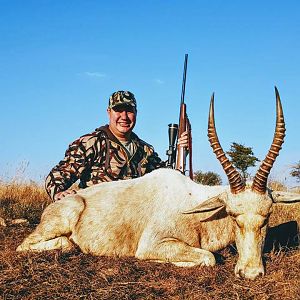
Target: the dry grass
(57, 275)
(20, 200)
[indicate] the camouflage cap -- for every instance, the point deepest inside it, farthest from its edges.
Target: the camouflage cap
(121, 98)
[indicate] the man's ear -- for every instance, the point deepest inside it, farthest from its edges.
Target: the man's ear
(285, 197)
(211, 204)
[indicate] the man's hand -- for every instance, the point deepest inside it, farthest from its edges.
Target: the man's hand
(183, 140)
(63, 194)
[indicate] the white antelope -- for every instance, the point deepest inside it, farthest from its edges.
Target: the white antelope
(166, 217)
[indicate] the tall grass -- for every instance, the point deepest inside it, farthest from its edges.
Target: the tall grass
(22, 200)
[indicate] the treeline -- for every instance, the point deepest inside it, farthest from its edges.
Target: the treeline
(242, 158)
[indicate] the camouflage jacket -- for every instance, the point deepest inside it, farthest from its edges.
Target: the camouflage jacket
(100, 157)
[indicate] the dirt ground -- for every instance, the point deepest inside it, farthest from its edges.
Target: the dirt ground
(74, 275)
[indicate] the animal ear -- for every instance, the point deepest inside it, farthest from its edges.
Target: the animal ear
(285, 197)
(210, 205)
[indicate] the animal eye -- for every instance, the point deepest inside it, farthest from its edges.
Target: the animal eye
(265, 222)
(232, 215)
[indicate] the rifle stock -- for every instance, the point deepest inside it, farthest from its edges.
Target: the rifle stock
(189, 130)
(184, 125)
(183, 152)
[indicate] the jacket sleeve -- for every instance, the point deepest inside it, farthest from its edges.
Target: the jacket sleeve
(154, 162)
(68, 170)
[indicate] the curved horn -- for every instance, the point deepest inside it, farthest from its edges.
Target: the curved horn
(260, 180)
(236, 181)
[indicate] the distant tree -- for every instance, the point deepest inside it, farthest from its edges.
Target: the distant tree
(207, 178)
(296, 171)
(242, 158)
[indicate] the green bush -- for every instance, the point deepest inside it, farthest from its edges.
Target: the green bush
(207, 178)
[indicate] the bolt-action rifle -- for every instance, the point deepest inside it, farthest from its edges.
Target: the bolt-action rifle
(177, 155)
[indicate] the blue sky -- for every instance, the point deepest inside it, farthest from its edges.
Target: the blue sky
(60, 61)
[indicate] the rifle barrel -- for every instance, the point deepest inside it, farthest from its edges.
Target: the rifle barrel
(184, 78)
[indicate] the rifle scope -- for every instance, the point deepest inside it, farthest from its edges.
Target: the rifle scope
(171, 152)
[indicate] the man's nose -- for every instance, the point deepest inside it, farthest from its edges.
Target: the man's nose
(124, 114)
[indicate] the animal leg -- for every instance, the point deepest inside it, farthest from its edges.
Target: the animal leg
(178, 253)
(62, 243)
(57, 223)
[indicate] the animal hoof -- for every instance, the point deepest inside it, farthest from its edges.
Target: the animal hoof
(209, 261)
(20, 248)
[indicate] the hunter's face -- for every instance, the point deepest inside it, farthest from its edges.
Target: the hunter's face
(122, 119)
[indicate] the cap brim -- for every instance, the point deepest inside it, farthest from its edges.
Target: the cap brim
(123, 104)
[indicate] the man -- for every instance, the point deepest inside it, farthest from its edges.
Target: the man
(111, 152)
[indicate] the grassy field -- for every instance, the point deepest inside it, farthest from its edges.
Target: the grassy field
(73, 275)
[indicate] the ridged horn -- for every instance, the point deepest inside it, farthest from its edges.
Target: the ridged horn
(260, 180)
(236, 181)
